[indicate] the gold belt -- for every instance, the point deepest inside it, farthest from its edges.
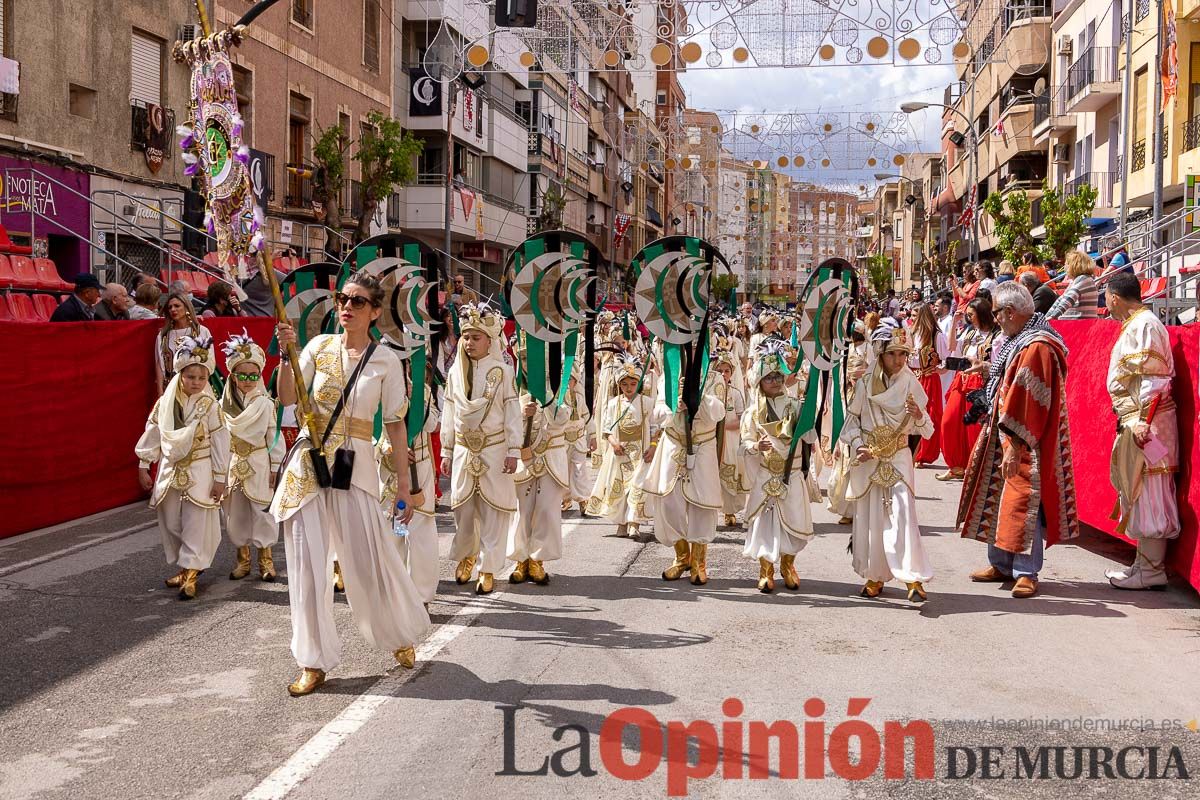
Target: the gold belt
(572, 435)
(354, 427)
(477, 441)
(679, 438)
(553, 443)
(631, 435)
(242, 448)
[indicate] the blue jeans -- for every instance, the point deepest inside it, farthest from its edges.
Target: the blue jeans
(1021, 564)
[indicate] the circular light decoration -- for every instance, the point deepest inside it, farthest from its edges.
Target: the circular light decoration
(828, 128)
(660, 54)
(898, 159)
(714, 59)
(824, 162)
(723, 35)
(754, 129)
(962, 50)
(686, 163)
(690, 52)
(715, 129)
(877, 47)
(712, 164)
(872, 161)
(527, 59)
(909, 49)
(782, 161)
(477, 55)
(737, 208)
(870, 126)
(612, 58)
(798, 161)
(741, 55)
(669, 163)
(645, 165)
(826, 52)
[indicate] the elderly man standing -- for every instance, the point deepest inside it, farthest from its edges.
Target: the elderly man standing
(80, 306)
(1145, 455)
(1019, 491)
(114, 302)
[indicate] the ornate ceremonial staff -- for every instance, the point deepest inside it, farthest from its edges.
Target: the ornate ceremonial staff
(213, 151)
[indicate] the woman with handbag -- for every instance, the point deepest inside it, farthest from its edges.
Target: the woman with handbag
(958, 438)
(336, 507)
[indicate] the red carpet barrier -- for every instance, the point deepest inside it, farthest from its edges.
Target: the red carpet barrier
(74, 398)
(1093, 429)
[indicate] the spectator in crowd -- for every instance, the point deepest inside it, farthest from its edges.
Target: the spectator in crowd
(1081, 296)
(80, 306)
(1006, 273)
(114, 302)
(146, 298)
(947, 323)
(259, 302)
(1052, 269)
(891, 307)
(929, 349)
(179, 321)
(1117, 261)
(460, 293)
(1043, 296)
(222, 302)
(1029, 264)
(1019, 491)
(965, 294)
(975, 345)
(987, 275)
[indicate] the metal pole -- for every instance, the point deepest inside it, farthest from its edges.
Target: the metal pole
(974, 175)
(1159, 120)
(1127, 100)
(450, 98)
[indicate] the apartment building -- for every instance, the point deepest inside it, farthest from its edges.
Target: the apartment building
(732, 216)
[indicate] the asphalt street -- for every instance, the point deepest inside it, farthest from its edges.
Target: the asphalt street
(110, 687)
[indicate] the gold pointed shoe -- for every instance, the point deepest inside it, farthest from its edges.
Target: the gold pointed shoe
(916, 591)
(266, 565)
(176, 580)
(520, 572)
(681, 564)
(787, 570)
(462, 573)
(872, 589)
(485, 584)
(406, 657)
(242, 568)
(309, 681)
(537, 573)
(699, 564)
(339, 583)
(187, 588)
(731, 520)
(766, 576)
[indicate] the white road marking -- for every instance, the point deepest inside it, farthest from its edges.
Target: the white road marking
(304, 762)
(75, 548)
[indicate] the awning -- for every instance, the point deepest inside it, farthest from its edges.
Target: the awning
(945, 203)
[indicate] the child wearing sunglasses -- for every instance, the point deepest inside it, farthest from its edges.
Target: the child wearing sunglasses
(257, 449)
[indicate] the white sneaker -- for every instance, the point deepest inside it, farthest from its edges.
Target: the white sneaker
(1119, 574)
(1141, 579)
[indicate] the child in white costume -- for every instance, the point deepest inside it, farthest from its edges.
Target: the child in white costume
(481, 439)
(579, 443)
(186, 435)
(257, 448)
(888, 404)
(734, 485)
(617, 496)
(778, 512)
(542, 481)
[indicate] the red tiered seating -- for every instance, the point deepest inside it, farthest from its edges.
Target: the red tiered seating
(25, 272)
(6, 314)
(8, 278)
(49, 277)
(22, 308)
(44, 305)
(1153, 288)
(7, 246)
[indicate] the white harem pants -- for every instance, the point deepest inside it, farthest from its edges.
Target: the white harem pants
(481, 531)
(248, 523)
(538, 532)
(190, 534)
(675, 518)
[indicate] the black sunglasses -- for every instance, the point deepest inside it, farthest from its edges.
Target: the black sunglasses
(355, 301)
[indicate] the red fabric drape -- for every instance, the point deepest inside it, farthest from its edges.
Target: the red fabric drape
(74, 397)
(928, 449)
(1094, 426)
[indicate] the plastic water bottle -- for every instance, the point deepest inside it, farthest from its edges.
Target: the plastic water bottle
(398, 526)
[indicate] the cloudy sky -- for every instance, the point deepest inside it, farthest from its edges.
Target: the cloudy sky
(864, 88)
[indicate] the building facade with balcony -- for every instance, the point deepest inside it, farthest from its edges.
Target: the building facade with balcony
(87, 140)
(1009, 48)
(822, 223)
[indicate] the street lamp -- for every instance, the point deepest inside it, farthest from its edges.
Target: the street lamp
(915, 106)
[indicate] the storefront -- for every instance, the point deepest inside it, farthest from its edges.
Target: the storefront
(46, 207)
(137, 223)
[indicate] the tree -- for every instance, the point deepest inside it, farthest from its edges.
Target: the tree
(553, 204)
(940, 264)
(722, 285)
(329, 177)
(385, 155)
(1064, 217)
(879, 273)
(1010, 216)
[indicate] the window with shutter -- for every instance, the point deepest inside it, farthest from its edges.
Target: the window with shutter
(1140, 83)
(371, 35)
(145, 86)
(3, 27)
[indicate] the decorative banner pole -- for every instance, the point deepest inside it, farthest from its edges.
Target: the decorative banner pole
(213, 151)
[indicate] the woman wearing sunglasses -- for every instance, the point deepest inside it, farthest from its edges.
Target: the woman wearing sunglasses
(256, 450)
(318, 521)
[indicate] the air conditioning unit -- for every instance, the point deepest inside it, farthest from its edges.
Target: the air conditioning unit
(1065, 45)
(189, 32)
(1062, 154)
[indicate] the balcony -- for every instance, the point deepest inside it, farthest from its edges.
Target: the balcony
(1093, 80)
(1050, 114)
(1138, 160)
(1143, 10)
(1018, 135)
(1191, 134)
(653, 217)
(1102, 182)
(299, 192)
